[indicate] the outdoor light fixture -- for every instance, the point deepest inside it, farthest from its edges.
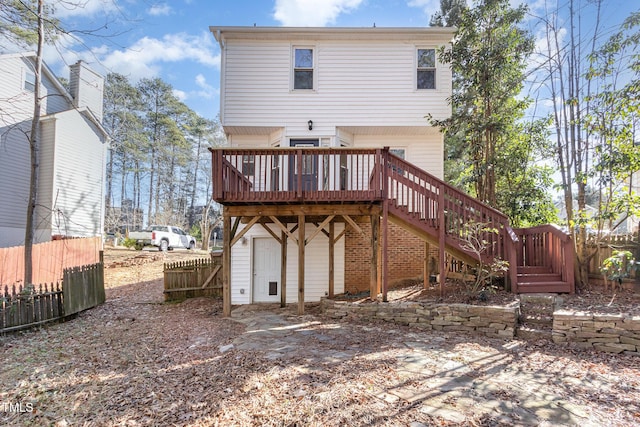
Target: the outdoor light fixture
(310, 123)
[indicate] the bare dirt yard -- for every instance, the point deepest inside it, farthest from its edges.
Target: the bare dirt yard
(137, 361)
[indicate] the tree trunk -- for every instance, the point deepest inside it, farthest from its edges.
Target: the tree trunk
(34, 146)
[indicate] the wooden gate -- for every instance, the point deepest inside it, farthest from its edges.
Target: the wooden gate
(194, 278)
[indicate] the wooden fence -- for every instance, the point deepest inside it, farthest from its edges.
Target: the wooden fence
(50, 259)
(25, 307)
(195, 278)
(83, 288)
(603, 249)
(22, 307)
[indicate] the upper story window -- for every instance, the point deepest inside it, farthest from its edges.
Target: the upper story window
(29, 81)
(248, 165)
(426, 76)
(303, 68)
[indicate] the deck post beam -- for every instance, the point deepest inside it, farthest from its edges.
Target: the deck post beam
(385, 250)
(373, 280)
(226, 266)
(245, 229)
(441, 241)
(283, 270)
(332, 253)
(301, 247)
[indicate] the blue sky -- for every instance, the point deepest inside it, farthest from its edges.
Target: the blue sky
(171, 39)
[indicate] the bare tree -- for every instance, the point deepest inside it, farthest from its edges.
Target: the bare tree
(565, 69)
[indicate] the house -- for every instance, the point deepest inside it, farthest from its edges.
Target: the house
(72, 152)
(332, 181)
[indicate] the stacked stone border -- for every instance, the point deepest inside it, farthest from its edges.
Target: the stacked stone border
(489, 321)
(612, 333)
(600, 332)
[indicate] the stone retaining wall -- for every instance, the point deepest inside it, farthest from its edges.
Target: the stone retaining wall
(485, 320)
(611, 333)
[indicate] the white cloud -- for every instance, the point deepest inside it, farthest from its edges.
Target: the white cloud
(64, 9)
(429, 7)
(207, 91)
(180, 94)
(144, 58)
(311, 13)
(160, 9)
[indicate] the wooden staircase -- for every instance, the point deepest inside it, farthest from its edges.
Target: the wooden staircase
(540, 258)
(540, 279)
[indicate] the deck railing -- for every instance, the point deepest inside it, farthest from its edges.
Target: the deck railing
(430, 202)
(345, 175)
(295, 175)
(547, 246)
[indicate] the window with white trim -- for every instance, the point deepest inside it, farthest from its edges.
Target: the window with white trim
(426, 74)
(303, 68)
(29, 81)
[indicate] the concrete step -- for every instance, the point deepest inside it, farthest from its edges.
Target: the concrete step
(538, 319)
(539, 299)
(533, 333)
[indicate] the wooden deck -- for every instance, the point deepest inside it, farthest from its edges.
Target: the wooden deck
(279, 185)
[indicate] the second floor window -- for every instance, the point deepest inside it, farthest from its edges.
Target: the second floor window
(303, 68)
(29, 81)
(426, 69)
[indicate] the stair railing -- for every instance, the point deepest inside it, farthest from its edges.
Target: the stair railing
(547, 246)
(422, 198)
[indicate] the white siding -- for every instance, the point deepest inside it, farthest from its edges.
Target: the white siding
(316, 266)
(78, 179)
(426, 152)
(359, 83)
(14, 178)
(364, 96)
(46, 196)
(245, 141)
(86, 87)
(17, 110)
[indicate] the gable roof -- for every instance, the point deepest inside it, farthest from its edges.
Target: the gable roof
(63, 92)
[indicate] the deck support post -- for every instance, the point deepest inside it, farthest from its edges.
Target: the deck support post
(332, 253)
(441, 241)
(283, 270)
(427, 270)
(373, 280)
(226, 266)
(301, 246)
(385, 250)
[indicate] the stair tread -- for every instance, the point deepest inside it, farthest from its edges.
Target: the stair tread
(549, 283)
(538, 278)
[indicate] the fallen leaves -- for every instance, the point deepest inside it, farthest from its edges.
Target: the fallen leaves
(135, 361)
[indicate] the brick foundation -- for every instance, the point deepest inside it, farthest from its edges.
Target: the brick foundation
(406, 257)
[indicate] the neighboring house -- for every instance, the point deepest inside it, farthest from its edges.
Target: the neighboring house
(314, 204)
(72, 152)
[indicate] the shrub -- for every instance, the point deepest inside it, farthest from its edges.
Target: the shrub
(485, 274)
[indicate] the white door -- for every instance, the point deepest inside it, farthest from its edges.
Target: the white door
(266, 270)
